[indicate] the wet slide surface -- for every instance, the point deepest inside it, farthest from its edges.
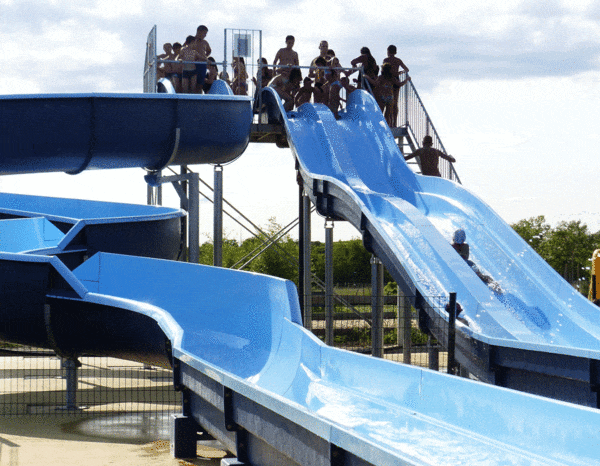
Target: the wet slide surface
(415, 217)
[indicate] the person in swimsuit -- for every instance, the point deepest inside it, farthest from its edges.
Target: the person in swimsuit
(287, 87)
(239, 85)
(189, 76)
(286, 57)
(319, 95)
(201, 46)
(211, 75)
(177, 68)
(429, 158)
(383, 87)
(458, 243)
(305, 92)
(332, 89)
(366, 60)
(397, 64)
(315, 73)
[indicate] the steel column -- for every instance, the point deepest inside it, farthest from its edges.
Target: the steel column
(376, 307)
(306, 257)
(329, 321)
(194, 217)
(218, 217)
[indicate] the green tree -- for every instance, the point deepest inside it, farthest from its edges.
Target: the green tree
(535, 231)
(569, 248)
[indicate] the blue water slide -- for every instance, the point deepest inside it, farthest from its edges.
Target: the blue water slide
(239, 347)
(250, 374)
(73, 228)
(531, 330)
(76, 132)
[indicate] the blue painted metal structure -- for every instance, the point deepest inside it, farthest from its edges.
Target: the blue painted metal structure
(72, 133)
(539, 335)
(254, 376)
(250, 374)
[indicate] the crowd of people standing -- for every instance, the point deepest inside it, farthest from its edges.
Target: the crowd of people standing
(191, 69)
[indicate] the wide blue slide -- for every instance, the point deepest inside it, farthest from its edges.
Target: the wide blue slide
(99, 278)
(527, 328)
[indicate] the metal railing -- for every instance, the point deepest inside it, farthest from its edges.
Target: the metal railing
(413, 116)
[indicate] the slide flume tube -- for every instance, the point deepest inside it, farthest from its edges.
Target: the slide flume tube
(76, 132)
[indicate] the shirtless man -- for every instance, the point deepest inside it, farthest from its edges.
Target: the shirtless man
(305, 92)
(169, 69)
(287, 87)
(314, 73)
(201, 46)
(189, 78)
(396, 64)
(430, 158)
(286, 57)
(177, 68)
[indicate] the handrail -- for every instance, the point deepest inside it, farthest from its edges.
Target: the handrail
(417, 120)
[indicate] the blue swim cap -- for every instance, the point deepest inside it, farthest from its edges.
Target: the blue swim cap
(459, 236)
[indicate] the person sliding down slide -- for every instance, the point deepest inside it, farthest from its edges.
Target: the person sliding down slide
(458, 243)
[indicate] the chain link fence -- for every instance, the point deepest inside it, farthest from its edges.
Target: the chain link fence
(35, 381)
(403, 341)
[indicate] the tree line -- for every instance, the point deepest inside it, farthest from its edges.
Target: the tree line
(567, 247)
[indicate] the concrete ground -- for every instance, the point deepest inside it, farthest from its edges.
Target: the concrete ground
(124, 420)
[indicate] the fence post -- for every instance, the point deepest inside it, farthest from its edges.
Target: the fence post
(433, 352)
(376, 307)
(452, 334)
(404, 326)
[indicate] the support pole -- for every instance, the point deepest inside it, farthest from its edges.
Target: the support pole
(154, 193)
(72, 378)
(194, 218)
(329, 320)
(376, 307)
(218, 217)
(184, 220)
(306, 257)
(301, 250)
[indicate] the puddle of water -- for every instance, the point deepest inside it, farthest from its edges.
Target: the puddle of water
(130, 427)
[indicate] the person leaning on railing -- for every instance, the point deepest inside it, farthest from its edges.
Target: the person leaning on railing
(429, 158)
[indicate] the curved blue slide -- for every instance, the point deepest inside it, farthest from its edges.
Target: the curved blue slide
(250, 374)
(533, 332)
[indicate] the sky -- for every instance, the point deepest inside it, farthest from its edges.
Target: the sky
(512, 87)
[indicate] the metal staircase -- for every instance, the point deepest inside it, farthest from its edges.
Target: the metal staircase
(413, 125)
